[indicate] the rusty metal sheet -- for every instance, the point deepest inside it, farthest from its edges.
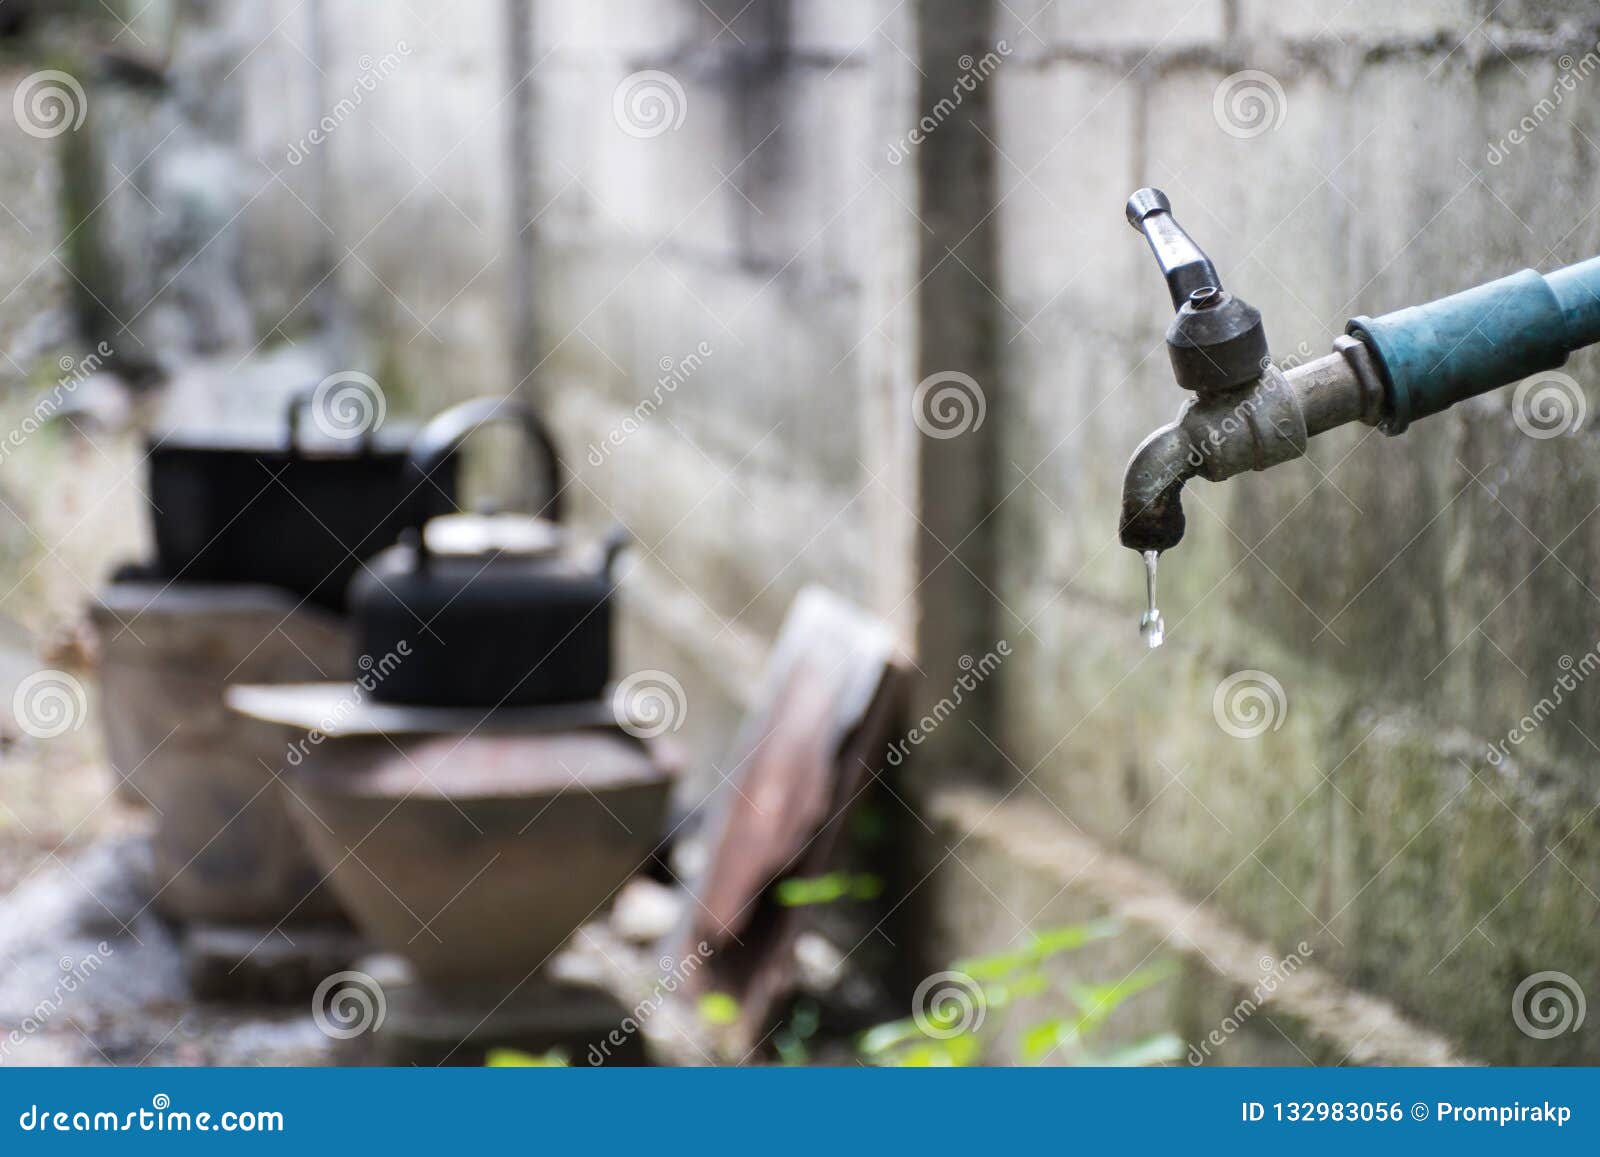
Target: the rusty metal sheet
(822, 713)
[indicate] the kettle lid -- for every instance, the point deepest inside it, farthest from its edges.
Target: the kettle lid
(478, 534)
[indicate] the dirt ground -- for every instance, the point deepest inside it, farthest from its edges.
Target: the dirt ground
(89, 974)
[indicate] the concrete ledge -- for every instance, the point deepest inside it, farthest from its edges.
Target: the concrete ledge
(1323, 1018)
(1157, 55)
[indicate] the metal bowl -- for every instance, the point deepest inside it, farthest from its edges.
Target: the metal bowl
(475, 856)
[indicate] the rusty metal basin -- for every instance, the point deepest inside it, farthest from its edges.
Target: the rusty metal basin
(474, 856)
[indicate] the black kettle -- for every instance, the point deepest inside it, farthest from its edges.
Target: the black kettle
(280, 509)
(483, 611)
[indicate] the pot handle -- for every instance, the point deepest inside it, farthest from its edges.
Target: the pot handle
(441, 437)
(301, 400)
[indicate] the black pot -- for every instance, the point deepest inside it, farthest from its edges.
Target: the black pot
(292, 515)
(508, 623)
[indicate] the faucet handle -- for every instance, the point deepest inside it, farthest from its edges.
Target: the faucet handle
(1216, 342)
(1183, 263)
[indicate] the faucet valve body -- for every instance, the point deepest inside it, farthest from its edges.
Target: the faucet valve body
(1216, 341)
(1255, 427)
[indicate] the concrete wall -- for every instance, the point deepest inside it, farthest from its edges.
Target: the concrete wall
(504, 211)
(740, 269)
(1413, 598)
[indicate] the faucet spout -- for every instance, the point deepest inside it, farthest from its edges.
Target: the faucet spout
(1152, 489)
(1216, 436)
(1259, 425)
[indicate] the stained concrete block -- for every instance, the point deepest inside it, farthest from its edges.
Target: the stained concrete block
(1522, 573)
(633, 177)
(805, 192)
(1134, 745)
(634, 29)
(1091, 400)
(1066, 167)
(1003, 870)
(29, 188)
(679, 494)
(1258, 168)
(286, 234)
(1539, 13)
(1358, 21)
(1083, 24)
(1545, 101)
(1348, 591)
(1414, 868)
(844, 27)
(800, 346)
(417, 188)
(1470, 879)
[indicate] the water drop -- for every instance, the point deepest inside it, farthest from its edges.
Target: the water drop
(1151, 626)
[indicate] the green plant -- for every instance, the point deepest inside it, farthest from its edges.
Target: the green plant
(517, 1059)
(803, 891)
(718, 1009)
(789, 1040)
(962, 1010)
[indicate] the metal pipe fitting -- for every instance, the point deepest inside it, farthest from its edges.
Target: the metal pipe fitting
(1253, 428)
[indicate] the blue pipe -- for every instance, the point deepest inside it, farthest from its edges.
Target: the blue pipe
(1432, 356)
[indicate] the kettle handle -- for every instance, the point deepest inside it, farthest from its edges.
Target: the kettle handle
(301, 400)
(441, 437)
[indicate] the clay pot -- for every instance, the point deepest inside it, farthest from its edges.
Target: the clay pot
(475, 856)
(223, 848)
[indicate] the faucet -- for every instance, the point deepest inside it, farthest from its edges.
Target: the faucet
(1247, 414)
